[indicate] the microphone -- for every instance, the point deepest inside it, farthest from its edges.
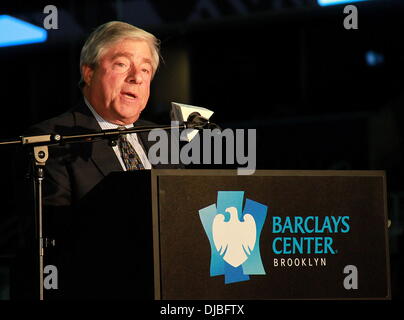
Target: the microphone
(195, 118)
(196, 121)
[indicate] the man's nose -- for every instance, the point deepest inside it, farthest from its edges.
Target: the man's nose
(134, 76)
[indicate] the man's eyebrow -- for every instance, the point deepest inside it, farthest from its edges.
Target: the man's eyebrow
(147, 60)
(129, 55)
(122, 54)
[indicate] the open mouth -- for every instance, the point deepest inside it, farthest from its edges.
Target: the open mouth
(129, 95)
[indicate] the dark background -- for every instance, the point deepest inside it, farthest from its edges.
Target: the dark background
(285, 67)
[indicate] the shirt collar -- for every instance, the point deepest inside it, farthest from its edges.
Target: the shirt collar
(104, 124)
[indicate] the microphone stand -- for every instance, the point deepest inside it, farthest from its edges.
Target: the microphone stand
(39, 154)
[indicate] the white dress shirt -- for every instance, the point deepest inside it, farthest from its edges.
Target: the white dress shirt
(132, 138)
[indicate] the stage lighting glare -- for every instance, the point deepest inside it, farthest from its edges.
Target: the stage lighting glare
(14, 32)
(324, 3)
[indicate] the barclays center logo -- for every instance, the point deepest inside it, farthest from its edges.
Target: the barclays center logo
(234, 233)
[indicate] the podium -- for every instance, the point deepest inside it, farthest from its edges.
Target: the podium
(213, 234)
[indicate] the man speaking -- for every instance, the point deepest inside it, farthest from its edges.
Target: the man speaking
(118, 62)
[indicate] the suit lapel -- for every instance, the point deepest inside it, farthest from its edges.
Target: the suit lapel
(143, 139)
(143, 136)
(102, 155)
(105, 158)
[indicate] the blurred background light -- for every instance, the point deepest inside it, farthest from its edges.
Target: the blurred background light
(335, 2)
(15, 32)
(373, 58)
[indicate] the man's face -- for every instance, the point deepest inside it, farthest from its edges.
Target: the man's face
(118, 88)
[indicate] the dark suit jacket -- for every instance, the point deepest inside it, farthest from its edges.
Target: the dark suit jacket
(73, 170)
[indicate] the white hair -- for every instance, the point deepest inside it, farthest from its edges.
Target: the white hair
(109, 33)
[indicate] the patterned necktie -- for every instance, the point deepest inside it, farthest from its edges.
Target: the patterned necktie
(128, 153)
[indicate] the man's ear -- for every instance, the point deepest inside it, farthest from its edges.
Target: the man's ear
(87, 73)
